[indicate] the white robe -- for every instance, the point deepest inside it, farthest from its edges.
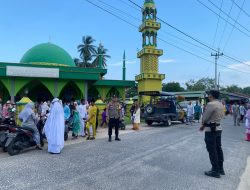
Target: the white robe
(54, 128)
(137, 117)
(82, 109)
(190, 110)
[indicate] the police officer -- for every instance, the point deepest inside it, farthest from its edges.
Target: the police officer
(211, 124)
(113, 117)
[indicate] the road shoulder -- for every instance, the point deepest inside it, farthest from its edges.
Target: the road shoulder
(245, 178)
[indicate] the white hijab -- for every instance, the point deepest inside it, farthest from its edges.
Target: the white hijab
(45, 107)
(27, 112)
(54, 126)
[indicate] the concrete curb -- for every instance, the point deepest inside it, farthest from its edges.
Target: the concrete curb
(245, 178)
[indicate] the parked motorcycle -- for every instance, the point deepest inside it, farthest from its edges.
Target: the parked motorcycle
(19, 140)
(4, 131)
(7, 126)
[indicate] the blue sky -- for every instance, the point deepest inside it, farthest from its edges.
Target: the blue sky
(26, 23)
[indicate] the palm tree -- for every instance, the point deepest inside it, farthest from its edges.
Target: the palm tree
(87, 49)
(77, 62)
(101, 54)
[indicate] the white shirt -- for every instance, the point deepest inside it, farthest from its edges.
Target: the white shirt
(137, 116)
(242, 110)
(190, 110)
(82, 111)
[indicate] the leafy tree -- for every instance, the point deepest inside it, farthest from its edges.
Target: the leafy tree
(200, 85)
(246, 90)
(233, 89)
(87, 50)
(101, 54)
(131, 92)
(172, 87)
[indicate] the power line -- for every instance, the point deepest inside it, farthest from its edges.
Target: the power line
(218, 21)
(162, 31)
(121, 11)
(111, 13)
(187, 35)
(226, 24)
(233, 25)
(241, 8)
(164, 40)
(124, 2)
(235, 20)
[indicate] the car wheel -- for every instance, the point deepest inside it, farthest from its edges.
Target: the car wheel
(184, 120)
(149, 122)
(168, 122)
(149, 109)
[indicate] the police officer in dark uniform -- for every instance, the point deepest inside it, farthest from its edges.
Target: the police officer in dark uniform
(211, 124)
(113, 117)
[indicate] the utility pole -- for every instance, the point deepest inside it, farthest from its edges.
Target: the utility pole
(219, 82)
(216, 56)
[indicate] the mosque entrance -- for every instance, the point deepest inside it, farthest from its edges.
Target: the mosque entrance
(4, 94)
(36, 91)
(70, 92)
(93, 93)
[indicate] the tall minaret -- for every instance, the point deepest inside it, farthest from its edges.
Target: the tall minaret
(149, 78)
(124, 67)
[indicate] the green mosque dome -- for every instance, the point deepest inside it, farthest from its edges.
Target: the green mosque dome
(48, 54)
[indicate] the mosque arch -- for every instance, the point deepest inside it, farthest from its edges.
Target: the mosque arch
(113, 92)
(4, 92)
(93, 93)
(36, 91)
(70, 91)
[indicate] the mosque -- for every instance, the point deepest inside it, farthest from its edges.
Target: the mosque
(46, 70)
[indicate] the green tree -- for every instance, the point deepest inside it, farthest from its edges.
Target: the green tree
(246, 90)
(101, 54)
(87, 50)
(200, 85)
(233, 89)
(131, 92)
(172, 87)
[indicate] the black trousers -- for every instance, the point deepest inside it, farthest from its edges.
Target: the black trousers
(213, 144)
(113, 123)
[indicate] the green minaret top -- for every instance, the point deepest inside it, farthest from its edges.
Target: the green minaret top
(124, 67)
(149, 1)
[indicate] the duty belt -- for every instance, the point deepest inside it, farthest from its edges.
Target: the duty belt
(212, 126)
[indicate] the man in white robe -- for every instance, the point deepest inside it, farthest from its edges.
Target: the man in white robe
(54, 128)
(190, 113)
(83, 114)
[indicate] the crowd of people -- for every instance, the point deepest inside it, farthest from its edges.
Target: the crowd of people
(82, 118)
(79, 116)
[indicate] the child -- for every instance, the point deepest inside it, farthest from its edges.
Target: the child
(104, 118)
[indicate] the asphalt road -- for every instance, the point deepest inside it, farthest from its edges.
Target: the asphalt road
(172, 158)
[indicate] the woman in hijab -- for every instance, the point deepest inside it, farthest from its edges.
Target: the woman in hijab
(248, 124)
(76, 122)
(136, 116)
(29, 119)
(54, 128)
(6, 110)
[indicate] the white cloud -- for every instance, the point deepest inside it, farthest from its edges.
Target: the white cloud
(133, 61)
(241, 67)
(167, 61)
(236, 74)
